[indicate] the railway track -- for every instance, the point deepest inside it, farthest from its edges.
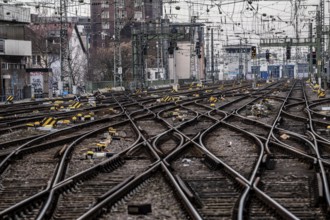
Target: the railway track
(19, 183)
(216, 152)
(90, 192)
(210, 189)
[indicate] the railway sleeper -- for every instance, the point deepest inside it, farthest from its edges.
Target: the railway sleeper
(263, 212)
(268, 162)
(293, 154)
(272, 207)
(192, 196)
(236, 208)
(112, 165)
(129, 189)
(114, 189)
(87, 175)
(63, 189)
(318, 190)
(22, 212)
(249, 122)
(237, 182)
(211, 163)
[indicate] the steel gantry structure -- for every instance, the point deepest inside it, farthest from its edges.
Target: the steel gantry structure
(165, 33)
(317, 43)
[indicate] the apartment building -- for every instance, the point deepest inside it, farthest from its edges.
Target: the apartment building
(14, 51)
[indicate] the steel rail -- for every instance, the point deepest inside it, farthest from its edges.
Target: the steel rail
(55, 179)
(313, 135)
(67, 154)
(6, 161)
(283, 212)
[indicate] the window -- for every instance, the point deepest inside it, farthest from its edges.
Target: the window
(105, 14)
(38, 60)
(149, 75)
(157, 75)
(2, 46)
(121, 3)
(4, 66)
(137, 3)
(138, 15)
(34, 61)
(122, 14)
(105, 4)
(105, 26)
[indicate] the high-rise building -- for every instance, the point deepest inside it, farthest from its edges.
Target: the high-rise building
(130, 13)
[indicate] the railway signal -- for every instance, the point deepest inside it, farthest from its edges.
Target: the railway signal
(288, 52)
(267, 55)
(253, 52)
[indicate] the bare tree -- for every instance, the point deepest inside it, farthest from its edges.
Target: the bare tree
(101, 63)
(45, 43)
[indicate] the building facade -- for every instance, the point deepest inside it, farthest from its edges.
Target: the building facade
(45, 62)
(130, 12)
(14, 51)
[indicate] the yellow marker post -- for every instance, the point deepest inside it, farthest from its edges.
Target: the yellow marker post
(10, 99)
(89, 154)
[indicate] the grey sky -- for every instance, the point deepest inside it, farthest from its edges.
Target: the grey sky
(261, 19)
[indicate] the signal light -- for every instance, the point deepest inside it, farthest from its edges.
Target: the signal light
(288, 52)
(267, 55)
(253, 52)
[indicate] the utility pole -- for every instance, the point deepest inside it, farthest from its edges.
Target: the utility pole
(216, 69)
(208, 69)
(64, 44)
(212, 55)
(322, 43)
(192, 46)
(297, 49)
(328, 67)
(158, 46)
(117, 78)
(318, 46)
(164, 25)
(310, 52)
(254, 84)
(246, 59)
(284, 66)
(240, 60)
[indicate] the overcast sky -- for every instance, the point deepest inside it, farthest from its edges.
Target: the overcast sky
(49, 7)
(233, 20)
(229, 18)
(260, 19)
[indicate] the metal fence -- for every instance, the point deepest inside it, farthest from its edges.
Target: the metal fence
(92, 86)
